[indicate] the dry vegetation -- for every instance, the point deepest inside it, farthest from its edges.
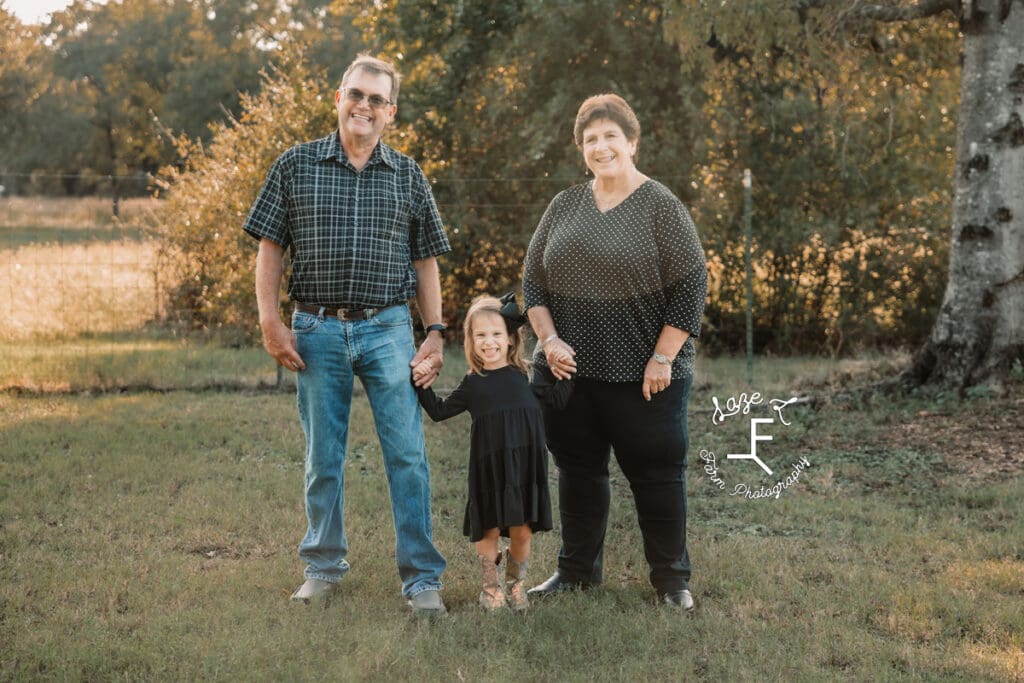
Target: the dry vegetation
(68, 268)
(56, 289)
(72, 213)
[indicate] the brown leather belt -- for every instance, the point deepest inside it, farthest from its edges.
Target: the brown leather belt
(341, 313)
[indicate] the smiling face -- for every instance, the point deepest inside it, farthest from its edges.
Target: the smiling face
(358, 121)
(606, 151)
(490, 340)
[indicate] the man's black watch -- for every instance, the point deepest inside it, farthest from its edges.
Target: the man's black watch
(436, 327)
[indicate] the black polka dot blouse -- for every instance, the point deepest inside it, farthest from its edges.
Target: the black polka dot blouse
(612, 280)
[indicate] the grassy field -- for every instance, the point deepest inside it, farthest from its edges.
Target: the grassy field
(152, 536)
(121, 361)
(150, 507)
(71, 216)
(68, 268)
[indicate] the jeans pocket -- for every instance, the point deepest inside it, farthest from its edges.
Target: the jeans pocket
(393, 317)
(303, 322)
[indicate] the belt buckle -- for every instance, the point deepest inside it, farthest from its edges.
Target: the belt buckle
(354, 313)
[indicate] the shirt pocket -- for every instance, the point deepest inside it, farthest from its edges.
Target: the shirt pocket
(389, 209)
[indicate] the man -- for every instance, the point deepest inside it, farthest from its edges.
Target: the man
(364, 232)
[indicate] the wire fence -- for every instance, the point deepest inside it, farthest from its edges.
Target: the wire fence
(79, 291)
(41, 184)
(82, 286)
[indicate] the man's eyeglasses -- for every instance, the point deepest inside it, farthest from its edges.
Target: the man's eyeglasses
(356, 95)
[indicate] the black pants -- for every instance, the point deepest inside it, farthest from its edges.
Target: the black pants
(650, 441)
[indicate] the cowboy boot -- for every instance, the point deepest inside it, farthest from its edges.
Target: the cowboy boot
(515, 575)
(492, 595)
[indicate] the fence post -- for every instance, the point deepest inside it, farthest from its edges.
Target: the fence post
(750, 282)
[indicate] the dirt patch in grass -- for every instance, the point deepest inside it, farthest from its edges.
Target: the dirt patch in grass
(982, 440)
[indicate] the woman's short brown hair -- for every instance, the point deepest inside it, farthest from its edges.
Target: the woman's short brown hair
(610, 107)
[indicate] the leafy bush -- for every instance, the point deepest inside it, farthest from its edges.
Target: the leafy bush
(208, 255)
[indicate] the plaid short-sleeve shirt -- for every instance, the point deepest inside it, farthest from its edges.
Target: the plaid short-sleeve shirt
(353, 234)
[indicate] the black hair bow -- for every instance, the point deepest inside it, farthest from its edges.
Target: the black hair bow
(514, 319)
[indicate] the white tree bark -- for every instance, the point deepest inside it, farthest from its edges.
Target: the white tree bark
(979, 333)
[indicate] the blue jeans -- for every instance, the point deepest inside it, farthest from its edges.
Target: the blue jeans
(378, 351)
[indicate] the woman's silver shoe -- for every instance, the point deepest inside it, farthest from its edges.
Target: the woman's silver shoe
(556, 584)
(681, 600)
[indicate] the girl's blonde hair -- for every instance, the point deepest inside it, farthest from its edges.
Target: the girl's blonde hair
(489, 305)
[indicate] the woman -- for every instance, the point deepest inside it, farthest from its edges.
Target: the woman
(614, 284)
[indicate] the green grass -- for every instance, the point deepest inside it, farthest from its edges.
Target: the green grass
(26, 221)
(135, 360)
(152, 535)
(157, 359)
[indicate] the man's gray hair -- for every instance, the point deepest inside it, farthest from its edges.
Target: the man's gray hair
(375, 66)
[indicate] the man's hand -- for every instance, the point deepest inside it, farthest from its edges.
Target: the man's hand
(279, 342)
(428, 301)
(428, 360)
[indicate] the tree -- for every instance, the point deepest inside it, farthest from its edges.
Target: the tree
(490, 96)
(211, 261)
(215, 59)
(839, 143)
(121, 78)
(840, 140)
(979, 333)
(114, 61)
(22, 65)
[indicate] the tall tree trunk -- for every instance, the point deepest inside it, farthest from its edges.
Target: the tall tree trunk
(979, 333)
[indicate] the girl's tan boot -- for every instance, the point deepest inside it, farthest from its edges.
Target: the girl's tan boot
(492, 595)
(515, 575)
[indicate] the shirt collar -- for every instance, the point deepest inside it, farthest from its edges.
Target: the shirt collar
(330, 148)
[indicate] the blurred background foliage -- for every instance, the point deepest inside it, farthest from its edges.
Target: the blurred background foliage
(849, 133)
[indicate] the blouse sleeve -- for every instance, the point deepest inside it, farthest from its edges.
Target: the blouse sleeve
(683, 268)
(442, 408)
(535, 281)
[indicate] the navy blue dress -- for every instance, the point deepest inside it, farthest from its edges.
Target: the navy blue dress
(508, 458)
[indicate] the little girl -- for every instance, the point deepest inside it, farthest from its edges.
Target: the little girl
(508, 474)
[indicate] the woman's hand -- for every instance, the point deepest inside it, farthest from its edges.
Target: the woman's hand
(561, 358)
(657, 377)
